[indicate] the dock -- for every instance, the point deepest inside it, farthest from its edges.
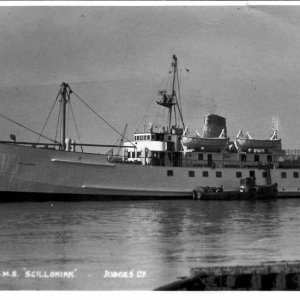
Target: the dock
(267, 276)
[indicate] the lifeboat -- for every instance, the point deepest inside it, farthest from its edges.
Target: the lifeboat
(247, 142)
(196, 141)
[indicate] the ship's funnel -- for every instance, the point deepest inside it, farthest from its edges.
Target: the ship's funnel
(213, 126)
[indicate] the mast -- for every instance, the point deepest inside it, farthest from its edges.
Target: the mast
(174, 65)
(65, 92)
(169, 100)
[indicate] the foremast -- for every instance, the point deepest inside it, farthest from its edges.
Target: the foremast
(65, 92)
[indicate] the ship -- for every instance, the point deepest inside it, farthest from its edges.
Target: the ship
(157, 163)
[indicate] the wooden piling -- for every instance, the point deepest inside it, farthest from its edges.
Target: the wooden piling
(283, 275)
(280, 281)
(298, 280)
(230, 281)
(256, 281)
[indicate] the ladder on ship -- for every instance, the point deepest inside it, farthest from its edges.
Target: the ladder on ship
(268, 175)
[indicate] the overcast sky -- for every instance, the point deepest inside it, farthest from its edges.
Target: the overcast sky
(244, 64)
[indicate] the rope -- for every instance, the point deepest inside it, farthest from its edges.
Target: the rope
(48, 118)
(68, 119)
(3, 116)
(179, 104)
(147, 110)
(58, 120)
(166, 78)
(100, 117)
(76, 126)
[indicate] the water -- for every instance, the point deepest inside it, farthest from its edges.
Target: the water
(162, 239)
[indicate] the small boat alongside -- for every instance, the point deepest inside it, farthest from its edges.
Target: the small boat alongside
(248, 191)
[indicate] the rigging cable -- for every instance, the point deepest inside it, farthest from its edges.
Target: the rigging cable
(3, 116)
(146, 113)
(48, 117)
(58, 121)
(175, 116)
(165, 77)
(68, 118)
(179, 96)
(76, 126)
(168, 85)
(100, 117)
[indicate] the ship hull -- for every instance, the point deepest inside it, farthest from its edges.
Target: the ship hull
(50, 197)
(40, 174)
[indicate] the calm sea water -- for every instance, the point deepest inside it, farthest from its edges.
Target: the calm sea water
(155, 242)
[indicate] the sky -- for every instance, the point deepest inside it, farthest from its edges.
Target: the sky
(244, 64)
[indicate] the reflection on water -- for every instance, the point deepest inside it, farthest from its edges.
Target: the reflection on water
(162, 238)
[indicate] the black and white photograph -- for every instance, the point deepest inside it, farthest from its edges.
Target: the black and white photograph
(150, 147)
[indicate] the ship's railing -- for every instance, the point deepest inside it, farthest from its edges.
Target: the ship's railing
(34, 145)
(291, 155)
(291, 159)
(292, 152)
(74, 147)
(192, 163)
